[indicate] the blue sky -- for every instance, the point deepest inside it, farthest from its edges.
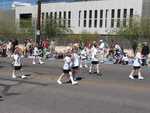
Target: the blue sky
(29, 1)
(34, 1)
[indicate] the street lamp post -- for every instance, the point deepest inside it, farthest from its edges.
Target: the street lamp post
(38, 32)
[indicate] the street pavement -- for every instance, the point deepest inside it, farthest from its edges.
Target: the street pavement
(113, 92)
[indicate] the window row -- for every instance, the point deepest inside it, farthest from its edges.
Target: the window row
(104, 15)
(61, 18)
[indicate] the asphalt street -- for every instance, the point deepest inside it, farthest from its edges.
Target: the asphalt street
(113, 92)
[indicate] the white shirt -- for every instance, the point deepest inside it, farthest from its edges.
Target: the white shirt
(125, 58)
(117, 47)
(17, 60)
(94, 52)
(67, 63)
(76, 59)
(9, 45)
(137, 60)
(35, 51)
(102, 45)
(83, 54)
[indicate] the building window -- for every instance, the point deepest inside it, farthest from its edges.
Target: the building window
(101, 13)
(90, 23)
(131, 12)
(85, 17)
(101, 19)
(25, 20)
(47, 15)
(95, 18)
(79, 18)
(84, 23)
(64, 20)
(60, 17)
(90, 14)
(112, 13)
(69, 18)
(118, 17)
(55, 15)
(51, 15)
(90, 18)
(95, 14)
(124, 17)
(118, 13)
(85, 14)
(131, 16)
(106, 16)
(112, 17)
(125, 13)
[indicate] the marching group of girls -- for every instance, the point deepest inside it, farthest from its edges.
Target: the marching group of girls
(76, 58)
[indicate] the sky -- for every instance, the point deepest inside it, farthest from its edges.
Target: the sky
(34, 1)
(6, 4)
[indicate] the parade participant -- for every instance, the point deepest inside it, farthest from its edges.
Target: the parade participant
(137, 67)
(67, 69)
(125, 59)
(9, 47)
(101, 50)
(145, 51)
(94, 59)
(118, 49)
(14, 44)
(52, 46)
(75, 63)
(17, 64)
(83, 58)
(37, 55)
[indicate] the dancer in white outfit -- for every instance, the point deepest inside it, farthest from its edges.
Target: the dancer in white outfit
(137, 67)
(67, 70)
(75, 63)
(94, 59)
(36, 55)
(83, 58)
(17, 64)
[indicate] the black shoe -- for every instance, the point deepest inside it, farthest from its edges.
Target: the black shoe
(99, 74)
(1, 98)
(90, 72)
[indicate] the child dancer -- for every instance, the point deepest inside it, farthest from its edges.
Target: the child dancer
(137, 67)
(17, 63)
(36, 54)
(83, 56)
(94, 59)
(75, 63)
(67, 69)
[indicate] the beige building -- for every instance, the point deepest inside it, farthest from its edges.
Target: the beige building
(102, 17)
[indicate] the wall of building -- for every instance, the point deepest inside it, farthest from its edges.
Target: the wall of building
(87, 8)
(146, 8)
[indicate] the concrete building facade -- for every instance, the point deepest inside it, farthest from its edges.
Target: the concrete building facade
(102, 17)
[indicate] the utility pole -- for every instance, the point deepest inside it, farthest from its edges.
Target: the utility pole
(38, 32)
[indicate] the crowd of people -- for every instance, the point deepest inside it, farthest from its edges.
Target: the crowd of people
(77, 56)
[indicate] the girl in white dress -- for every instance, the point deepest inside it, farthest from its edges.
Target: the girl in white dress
(75, 63)
(94, 59)
(137, 66)
(17, 64)
(36, 55)
(67, 69)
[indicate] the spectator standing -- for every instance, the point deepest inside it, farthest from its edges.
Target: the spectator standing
(145, 52)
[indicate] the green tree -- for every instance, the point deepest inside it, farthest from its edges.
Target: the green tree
(53, 28)
(136, 30)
